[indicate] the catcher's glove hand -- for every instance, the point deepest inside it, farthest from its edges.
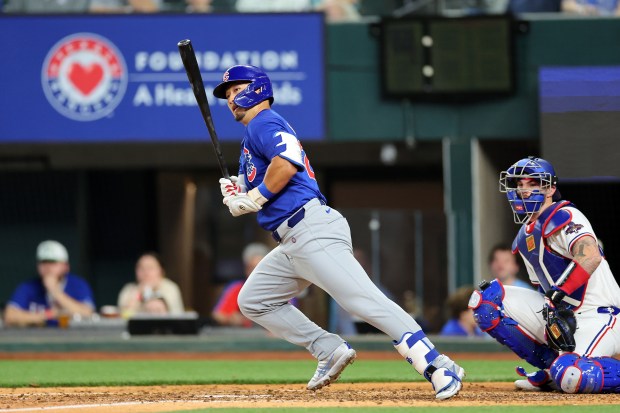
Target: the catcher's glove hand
(560, 328)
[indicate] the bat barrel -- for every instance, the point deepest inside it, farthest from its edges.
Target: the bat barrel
(195, 79)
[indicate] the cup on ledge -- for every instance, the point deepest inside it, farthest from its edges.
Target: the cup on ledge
(109, 311)
(63, 319)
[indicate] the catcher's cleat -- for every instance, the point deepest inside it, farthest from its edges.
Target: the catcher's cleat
(538, 381)
(446, 377)
(330, 368)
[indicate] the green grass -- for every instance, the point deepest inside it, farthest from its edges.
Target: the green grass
(17, 373)
(439, 409)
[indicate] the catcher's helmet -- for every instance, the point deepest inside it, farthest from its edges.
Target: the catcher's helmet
(530, 168)
(258, 90)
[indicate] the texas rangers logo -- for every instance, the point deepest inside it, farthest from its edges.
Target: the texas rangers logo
(250, 169)
(572, 228)
(84, 77)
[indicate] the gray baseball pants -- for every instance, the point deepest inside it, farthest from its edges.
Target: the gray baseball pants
(317, 250)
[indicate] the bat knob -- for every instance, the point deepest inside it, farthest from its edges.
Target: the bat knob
(184, 42)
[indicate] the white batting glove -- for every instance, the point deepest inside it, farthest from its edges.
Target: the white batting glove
(241, 204)
(230, 186)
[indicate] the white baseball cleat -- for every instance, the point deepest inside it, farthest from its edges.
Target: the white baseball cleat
(330, 368)
(537, 381)
(446, 377)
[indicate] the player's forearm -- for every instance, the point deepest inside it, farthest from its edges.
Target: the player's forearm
(18, 317)
(586, 253)
(279, 173)
(586, 259)
(72, 306)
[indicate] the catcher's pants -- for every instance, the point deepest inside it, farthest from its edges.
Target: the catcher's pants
(598, 328)
(317, 250)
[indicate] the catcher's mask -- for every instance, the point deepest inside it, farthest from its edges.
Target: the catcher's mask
(258, 90)
(523, 207)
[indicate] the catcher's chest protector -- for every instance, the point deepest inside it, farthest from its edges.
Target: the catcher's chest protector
(547, 265)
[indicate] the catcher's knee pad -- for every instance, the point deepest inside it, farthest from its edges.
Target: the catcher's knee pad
(489, 314)
(576, 374)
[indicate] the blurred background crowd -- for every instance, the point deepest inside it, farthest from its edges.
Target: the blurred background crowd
(335, 10)
(126, 228)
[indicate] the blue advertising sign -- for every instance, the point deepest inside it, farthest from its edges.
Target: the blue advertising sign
(579, 89)
(94, 78)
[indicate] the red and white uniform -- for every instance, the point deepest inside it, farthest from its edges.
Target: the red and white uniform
(543, 245)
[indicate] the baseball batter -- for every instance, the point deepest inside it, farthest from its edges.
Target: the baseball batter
(568, 328)
(277, 182)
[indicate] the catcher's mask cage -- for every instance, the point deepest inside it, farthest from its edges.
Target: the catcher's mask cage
(525, 202)
(258, 90)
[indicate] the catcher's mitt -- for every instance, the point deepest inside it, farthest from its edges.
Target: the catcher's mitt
(560, 328)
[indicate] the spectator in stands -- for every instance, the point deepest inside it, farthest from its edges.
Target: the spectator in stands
(413, 308)
(505, 267)
(461, 322)
(153, 293)
(54, 293)
(339, 10)
(266, 6)
(226, 312)
(46, 6)
(199, 6)
(592, 7)
(125, 6)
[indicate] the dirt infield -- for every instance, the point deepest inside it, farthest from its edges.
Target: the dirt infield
(250, 355)
(178, 398)
(143, 399)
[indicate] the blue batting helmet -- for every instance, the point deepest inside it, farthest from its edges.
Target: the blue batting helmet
(527, 168)
(258, 90)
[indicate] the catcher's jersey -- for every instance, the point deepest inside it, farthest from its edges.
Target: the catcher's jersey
(266, 136)
(551, 245)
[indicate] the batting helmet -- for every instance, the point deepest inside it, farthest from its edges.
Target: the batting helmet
(527, 168)
(258, 90)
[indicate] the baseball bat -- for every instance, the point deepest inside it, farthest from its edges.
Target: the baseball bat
(195, 79)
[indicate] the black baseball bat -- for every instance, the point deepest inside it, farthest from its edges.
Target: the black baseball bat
(195, 79)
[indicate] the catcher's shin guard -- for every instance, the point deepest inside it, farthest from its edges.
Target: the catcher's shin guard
(489, 314)
(577, 374)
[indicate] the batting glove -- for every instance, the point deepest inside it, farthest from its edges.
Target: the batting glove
(241, 204)
(230, 186)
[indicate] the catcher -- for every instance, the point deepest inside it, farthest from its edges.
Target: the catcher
(569, 328)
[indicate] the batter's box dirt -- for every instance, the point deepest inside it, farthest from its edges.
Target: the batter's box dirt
(169, 398)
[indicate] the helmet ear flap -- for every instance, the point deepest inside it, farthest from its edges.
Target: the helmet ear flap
(258, 90)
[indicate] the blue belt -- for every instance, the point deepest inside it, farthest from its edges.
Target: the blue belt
(292, 221)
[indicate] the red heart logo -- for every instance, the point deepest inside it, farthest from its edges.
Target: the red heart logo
(85, 78)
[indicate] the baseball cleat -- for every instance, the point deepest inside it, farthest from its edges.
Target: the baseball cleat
(538, 381)
(446, 377)
(330, 368)
(445, 383)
